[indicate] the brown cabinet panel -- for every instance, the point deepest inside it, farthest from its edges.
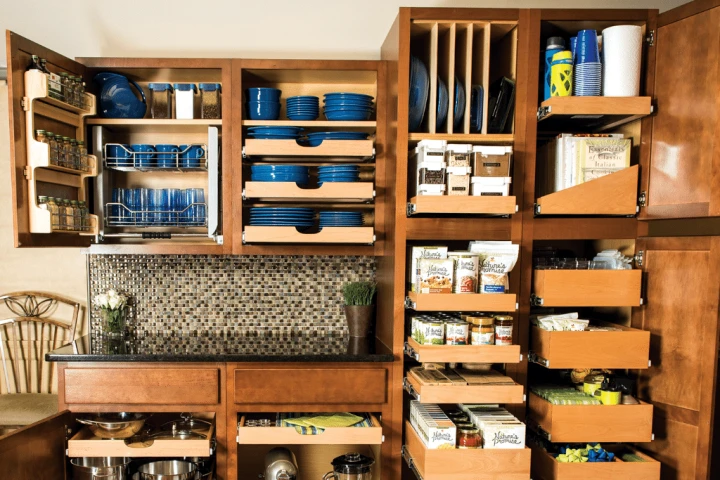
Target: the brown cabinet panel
(142, 386)
(681, 314)
(36, 451)
(319, 386)
(683, 150)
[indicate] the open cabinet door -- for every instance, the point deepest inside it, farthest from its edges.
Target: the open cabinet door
(681, 177)
(37, 451)
(681, 312)
(57, 183)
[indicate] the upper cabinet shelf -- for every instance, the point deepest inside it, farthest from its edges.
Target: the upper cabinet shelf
(573, 114)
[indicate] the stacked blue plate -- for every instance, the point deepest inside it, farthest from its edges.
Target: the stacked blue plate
(459, 110)
(282, 217)
(279, 173)
(348, 106)
(275, 133)
(443, 103)
(338, 173)
(304, 107)
(314, 139)
(333, 218)
(419, 90)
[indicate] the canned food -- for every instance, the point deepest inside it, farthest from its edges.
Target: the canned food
(466, 271)
(456, 333)
(431, 332)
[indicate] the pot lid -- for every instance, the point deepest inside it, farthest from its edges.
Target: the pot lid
(352, 463)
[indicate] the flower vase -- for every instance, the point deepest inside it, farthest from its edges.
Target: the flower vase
(113, 322)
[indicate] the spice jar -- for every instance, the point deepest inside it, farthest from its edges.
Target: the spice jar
(74, 155)
(469, 438)
(76, 220)
(82, 156)
(54, 210)
(161, 100)
(483, 331)
(503, 330)
(83, 211)
(41, 137)
(52, 143)
(210, 106)
(66, 158)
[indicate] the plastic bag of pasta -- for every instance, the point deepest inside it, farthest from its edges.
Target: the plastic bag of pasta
(497, 259)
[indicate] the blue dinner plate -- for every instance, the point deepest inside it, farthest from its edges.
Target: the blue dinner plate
(350, 116)
(443, 101)
(281, 217)
(419, 91)
(279, 224)
(282, 209)
(361, 103)
(459, 110)
(282, 167)
(328, 168)
(303, 117)
(348, 95)
(328, 214)
(476, 108)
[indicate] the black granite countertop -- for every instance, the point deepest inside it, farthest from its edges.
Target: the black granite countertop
(223, 348)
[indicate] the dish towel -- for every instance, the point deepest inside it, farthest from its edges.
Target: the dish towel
(316, 423)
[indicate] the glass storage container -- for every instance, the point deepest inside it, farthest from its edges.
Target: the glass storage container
(83, 211)
(184, 100)
(161, 100)
(52, 142)
(66, 159)
(82, 156)
(54, 209)
(74, 155)
(41, 137)
(210, 106)
(74, 220)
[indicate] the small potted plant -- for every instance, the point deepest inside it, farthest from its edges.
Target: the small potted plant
(113, 312)
(359, 307)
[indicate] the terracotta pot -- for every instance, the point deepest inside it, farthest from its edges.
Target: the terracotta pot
(359, 319)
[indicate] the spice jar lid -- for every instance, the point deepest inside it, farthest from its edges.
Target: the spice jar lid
(503, 318)
(160, 87)
(185, 87)
(209, 87)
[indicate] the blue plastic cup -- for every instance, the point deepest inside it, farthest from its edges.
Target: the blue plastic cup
(195, 213)
(573, 47)
(117, 155)
(167, 156)
(191, 156)
(587, 47)
(263, 110)
(144, 155)
(159, 206)
(263, 94)
(176, 205)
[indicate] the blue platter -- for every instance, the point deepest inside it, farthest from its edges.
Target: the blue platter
(443, 101)
(419, 90)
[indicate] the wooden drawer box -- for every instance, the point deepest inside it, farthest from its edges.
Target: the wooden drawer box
(461, 302)
(466, 464)
(510, 393)
(588, 288)
(463, 353)
(322, 386)
(629, 348)
(85, 444)
(142, 386)
(592, 423)
(330, 436)
(545, 467)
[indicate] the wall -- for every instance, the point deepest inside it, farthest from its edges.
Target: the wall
(344, 29)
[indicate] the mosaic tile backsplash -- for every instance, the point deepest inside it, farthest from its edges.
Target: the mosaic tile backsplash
(189, 294)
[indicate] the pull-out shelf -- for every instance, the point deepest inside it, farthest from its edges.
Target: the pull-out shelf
(371, 435)
(587, 288)
(461, 302)
(545, 467)
(463, 353)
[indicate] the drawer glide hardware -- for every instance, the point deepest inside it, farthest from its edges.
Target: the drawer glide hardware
(535, 301)
(535, 358)
(410, 352)
(410, 390)
(409, 304)
(410, 462)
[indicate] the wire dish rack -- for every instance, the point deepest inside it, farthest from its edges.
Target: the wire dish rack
(119, 215)
(118, 156)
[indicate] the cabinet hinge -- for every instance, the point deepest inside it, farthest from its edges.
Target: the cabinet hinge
(639, 258)
(650, 39)
(25, 103)
(642, 199)
(27, 172)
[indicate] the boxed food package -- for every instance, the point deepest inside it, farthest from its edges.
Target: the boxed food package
(491, 161)
(491, 186)
(503, 434)
(459, 155)
(423, 252)
(497, 259)
(434, 428)
(434, 275)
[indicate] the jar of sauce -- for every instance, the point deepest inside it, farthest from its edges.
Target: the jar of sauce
(503, 330)
(468, 438)
(483, 331)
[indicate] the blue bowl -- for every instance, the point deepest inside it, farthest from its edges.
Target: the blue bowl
(348, 95)
(263, 110)
(347, 108)
(303, 117)
(272, 129)
(263, 94)
(351, 116)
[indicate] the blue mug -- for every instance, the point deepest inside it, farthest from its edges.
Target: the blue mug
(167, 156)
(117, 155)
(144, 155)
(191, 156)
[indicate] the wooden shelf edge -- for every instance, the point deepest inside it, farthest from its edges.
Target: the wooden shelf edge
(328, 148)
(463, 205)
(338, 235)
(153, 121)
(464, 353)
(309, 123)
(630, 106)
(511, 394)
(459, 302)
(327, 191)
(499, 138)
(614, 194)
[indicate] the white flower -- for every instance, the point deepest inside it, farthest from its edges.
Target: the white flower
(114, 302)
(111, 300)
(112, 293)
(102, 300)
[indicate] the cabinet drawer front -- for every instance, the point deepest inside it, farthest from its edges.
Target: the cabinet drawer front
(319, 386)
(135, 386)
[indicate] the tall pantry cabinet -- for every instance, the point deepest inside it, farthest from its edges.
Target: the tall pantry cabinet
(646, 209)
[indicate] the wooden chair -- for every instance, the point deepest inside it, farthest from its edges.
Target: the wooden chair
(28, 387)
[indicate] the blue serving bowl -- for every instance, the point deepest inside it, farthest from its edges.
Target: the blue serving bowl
(348, 95)
(263, 110)
(263, 94)
(303, 97)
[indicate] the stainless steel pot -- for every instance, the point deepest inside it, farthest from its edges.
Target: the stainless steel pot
(351, 466)
(168, 470)
(280, 464)
(115, 425)
(100, 468)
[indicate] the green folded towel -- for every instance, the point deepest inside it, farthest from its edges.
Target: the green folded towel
(325, 420)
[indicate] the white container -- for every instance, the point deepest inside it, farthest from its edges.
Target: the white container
(431, 190)
(458, 155)
(430, 151)
(185, 100)
(497, 186)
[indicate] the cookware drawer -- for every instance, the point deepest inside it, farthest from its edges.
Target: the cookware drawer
(466, 464)
(142, 386)
(322, 386)
(592, 423)
(361, 435)
(628, 348)
(85, 444)
(545, 467)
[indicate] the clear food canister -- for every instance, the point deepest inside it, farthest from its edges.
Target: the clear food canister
(184, 100)
(210, 100)
(161, 100)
